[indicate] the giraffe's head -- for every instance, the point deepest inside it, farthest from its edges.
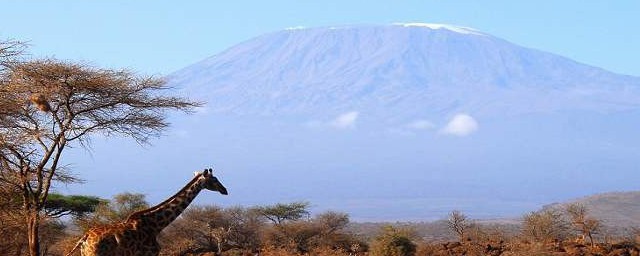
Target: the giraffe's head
(212, 183)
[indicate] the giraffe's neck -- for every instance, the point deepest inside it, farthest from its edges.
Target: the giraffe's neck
(156, 218)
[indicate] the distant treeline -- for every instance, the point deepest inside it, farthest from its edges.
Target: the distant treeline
(291, 229)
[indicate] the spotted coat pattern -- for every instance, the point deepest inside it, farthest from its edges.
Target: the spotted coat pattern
(136, 236)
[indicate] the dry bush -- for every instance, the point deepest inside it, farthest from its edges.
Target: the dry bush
(13, 235)
(545, 226)
(212, 229)
(14, 240)
(586, 225)
(528, 251)
(434, 249)
(329, 252)
(13, 228)
(271, 251)
(64, 245)
(392, 241)
(323, 232)
(457, 248)
(295, 237)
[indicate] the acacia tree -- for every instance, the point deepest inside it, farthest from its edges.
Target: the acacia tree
(9, 52)
(545, 226)
(203, 229)
(12, 226)
(59, 205)
(280, 212)
(331, 226)
(587, 226)
(57, 104)
(459, 223)
(107, 211)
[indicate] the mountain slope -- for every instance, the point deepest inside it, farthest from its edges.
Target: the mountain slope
(397, 122)
(403, 69)
(617, 209)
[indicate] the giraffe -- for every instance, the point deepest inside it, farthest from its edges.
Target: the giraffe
(136, 236)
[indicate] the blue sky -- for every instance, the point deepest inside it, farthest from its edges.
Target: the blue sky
(158, 37)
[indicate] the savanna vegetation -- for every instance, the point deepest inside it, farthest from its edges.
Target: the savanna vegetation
(291, 229)
(47, 105)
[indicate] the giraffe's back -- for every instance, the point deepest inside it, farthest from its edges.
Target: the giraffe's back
(119, 240)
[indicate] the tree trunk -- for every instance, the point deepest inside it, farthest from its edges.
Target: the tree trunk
(32, 233)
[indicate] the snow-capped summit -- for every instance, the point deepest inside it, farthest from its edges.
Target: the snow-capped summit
(454, 28)
(399, 71)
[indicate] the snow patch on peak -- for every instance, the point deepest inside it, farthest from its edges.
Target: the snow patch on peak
(457, 29)
(295, 28)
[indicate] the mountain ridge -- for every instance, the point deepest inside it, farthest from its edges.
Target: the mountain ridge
(408, 123)
(615, 209)
(395, 67)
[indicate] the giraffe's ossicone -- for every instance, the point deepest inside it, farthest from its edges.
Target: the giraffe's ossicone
(136, 236)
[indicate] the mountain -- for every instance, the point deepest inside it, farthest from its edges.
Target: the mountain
(398, 71)
(615, 209)
(391, 122)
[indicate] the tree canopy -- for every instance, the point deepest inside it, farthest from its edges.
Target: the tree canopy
(58, 205)
(281, 212)
(48, 105)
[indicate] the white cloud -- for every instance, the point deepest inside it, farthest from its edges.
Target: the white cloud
(460, 125)
(346, 120)
(420, 124)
